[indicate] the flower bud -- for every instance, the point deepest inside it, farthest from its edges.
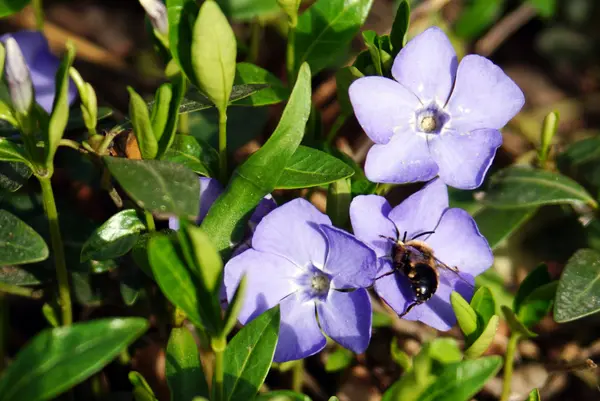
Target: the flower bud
(290, 7)
(157, 12)
(18, 78)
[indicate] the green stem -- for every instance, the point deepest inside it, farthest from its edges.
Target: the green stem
(183, 124)
(20, 291)
(298, 376)
(62, 276)
(508, 366)
(105, 144)
(290, 55)
(255, 38)
(38, 10)
(218, 345)
(223, 146)
(150, 221)
(339, 122)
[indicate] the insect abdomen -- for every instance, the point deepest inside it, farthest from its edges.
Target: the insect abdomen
(424, 282)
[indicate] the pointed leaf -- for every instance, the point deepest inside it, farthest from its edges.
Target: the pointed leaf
(19, 243)
(194, 100)
(484, 305)
(400, 26)
(248, 9)
(11, 152)
(485, 339)
(196, 155)
(235, 306)
(535, 279)
(142, 127)
(465, 315)
(58, 359)
(183, 368)
(534, 395)
(182, 15)
(339, 197)
(141, 389)
(13, 175)
(516, 326)
(167, 135)
(250, 74)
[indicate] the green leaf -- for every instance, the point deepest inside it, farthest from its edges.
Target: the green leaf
(496, 225)
(194, 100)
(484, 305)
(142, 127)
(339, 197)
(249, 74)
(183, 368)
(535, 279)
(114, 238)
(578, 292)
(58, 359)
(445, 350)
(370, 38)
(158, 186)
(207, 259)
(213, 54)
(537, 304)
(310, 167)
(167, 135)
(516, 326)
(10, 7)
(248, 9)
(460, 381)
(194, 154)
(160, 109)
(175, 280)
(11, 152)
(400, 27)
(534, 395)
(281, 395)
(249, 355)
(258, 176)
(400, 357)
(520, 187)
(339, 359)
(19, 243)
(325, 30)
(343, 79)
(182, 15)
(546, 8)
(60, 109)
(465, 315)
(235, 306)
(485, 339)
(477, 17)
(141, 389)
(290, 7)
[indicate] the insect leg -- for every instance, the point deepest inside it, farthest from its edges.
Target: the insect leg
(385, 274)
(422, 234)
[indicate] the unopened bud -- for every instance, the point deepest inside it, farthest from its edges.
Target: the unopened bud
(18, 78)
(157, 12)
(290, 7)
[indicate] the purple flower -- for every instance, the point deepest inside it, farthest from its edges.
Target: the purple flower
(42, 65)
(456, 242)
(437, 117)
(301, 262)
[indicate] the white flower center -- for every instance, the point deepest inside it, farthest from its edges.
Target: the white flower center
(428, 124)
(320, 284)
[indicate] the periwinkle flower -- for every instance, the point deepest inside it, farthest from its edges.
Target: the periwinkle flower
(18, 78)
(310, 268)
(42, 65)
(157, 12)
(437, 117)
(455, 241)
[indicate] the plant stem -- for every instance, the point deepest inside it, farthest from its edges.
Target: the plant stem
(150, 221)
(105, 144)
(38, 10)
(62, 276)
(298, 376)
(223, 146)
(339, 122)
(255, 37)
(218, 345)
(508, 366)
(290, 55)
(183, 124)
(20, 291)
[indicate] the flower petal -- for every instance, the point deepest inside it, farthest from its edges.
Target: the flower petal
(438, 312)
(458, 243)
(421, 211)
(266, 206)
(382, 107)
(464, 158)
(404, 159)
(427, 66)
(394, 289)
(292, 231)
(269, 280)
(351, 263)
(299, 332)
(483, 96)
(368, 215)
(346, 318)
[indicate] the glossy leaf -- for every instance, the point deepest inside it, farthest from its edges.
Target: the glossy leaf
(484, 305)
(185, 376)
(325, 30)
(196, 155)
(248, 9)
(142, 127)
(339, 196)
(10, 7)
(339, 359)
(207, 260)
(400, 26)
(19, 243)
(370, 39)
(516, 326)
(13, 176)
(460, 381)
(214, 52)
(521, 187)
(534, 395)
(166, 129)
(11, 152)
(141, 389)
(234, 307)
(249, 74)
(535, 279)
(445, 350)
(310, 167)
(182, 15)
(60, 108)
(465, 315)
(249, 355)
(194, 100)
(258, 176)
(175, 280)
(114, 238)
(496, 225)
(484, 340)
(537, 304)
(57, 359)
(158, 186)
(578, 292)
